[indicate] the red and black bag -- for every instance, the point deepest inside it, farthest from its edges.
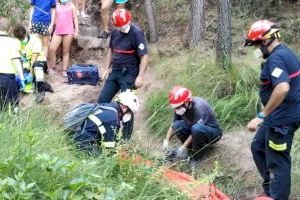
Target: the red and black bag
(83, 74)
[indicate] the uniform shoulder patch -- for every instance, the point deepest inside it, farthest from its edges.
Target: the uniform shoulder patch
(142, 46)
(277, 72)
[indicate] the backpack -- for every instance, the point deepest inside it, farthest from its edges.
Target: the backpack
(74, 119)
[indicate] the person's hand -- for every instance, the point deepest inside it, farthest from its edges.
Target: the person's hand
(104, 75)
(28, 78)
(254, 123)
(76, 33)
(50, 28)
(139, 81)
(22, 83)
(181, 152)
(165, 145)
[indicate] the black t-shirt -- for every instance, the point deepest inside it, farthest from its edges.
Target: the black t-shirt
(127, 48)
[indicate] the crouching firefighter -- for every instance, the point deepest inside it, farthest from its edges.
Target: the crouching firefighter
(102, 125)
(194, 124)
(33, 61)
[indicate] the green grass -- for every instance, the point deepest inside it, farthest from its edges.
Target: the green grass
(38, 161)
(15, 10)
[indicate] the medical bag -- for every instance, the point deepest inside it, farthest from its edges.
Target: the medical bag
(83, 74)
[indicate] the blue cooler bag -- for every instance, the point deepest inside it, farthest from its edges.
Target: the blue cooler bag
(83, 74)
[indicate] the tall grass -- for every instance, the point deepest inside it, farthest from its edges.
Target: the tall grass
(38, 161)
(15, 10)
(233, 93)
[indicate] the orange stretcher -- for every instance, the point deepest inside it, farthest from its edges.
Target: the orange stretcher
(183, 182)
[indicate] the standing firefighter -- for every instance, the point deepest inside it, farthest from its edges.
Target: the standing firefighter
(127, 60)
(280, 116)
(101, 125)
(194, 124)
(9, 65)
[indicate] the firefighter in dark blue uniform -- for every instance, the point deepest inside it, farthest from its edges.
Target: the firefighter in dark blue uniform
(10, 65)
(102, 126)
(127, 59)
(280, 116)
(194, 124)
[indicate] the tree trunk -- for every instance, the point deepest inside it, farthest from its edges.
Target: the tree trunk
(197, 26)
(151, 19)
(224, 42)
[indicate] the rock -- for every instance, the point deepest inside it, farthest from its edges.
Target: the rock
(86, 42)
(91, 31)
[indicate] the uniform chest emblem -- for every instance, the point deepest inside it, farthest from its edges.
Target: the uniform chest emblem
(277, 72)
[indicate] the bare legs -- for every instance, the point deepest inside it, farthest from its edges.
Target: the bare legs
(106, 4)
(66, 41)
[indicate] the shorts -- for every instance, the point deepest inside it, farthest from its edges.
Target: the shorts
(40, 28)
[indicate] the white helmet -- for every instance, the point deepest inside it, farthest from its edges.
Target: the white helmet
(129, 99)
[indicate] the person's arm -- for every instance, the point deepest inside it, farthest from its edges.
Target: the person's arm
(75, 20)
(107, 67)
(188, 141)
(277, 97)
(142, 51)
(143, 68)
(18, 67)
(51, 26)
(280, 81)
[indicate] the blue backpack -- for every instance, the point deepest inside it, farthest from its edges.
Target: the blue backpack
(83, 74)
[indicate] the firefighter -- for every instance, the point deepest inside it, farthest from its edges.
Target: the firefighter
(194, 124)
(280, 117)
(103, 125)
(127, 60)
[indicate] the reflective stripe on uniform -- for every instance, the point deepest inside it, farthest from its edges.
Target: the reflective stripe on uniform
(130, 51)
(109, 144)
(277, 147)
(98, 122)
(291, 76)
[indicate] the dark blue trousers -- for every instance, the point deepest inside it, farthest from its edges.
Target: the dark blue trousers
(202, 136)
(271, 153)
(9, 92)
(117, 80)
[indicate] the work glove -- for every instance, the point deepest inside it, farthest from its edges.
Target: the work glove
(165, 145)
(22, 85)
(181, 152)
(29, 78)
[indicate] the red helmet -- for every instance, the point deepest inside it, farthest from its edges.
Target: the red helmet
(261, 30)
(179, 95)
(121, 17)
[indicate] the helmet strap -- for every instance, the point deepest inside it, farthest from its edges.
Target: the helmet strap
(188, 105)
